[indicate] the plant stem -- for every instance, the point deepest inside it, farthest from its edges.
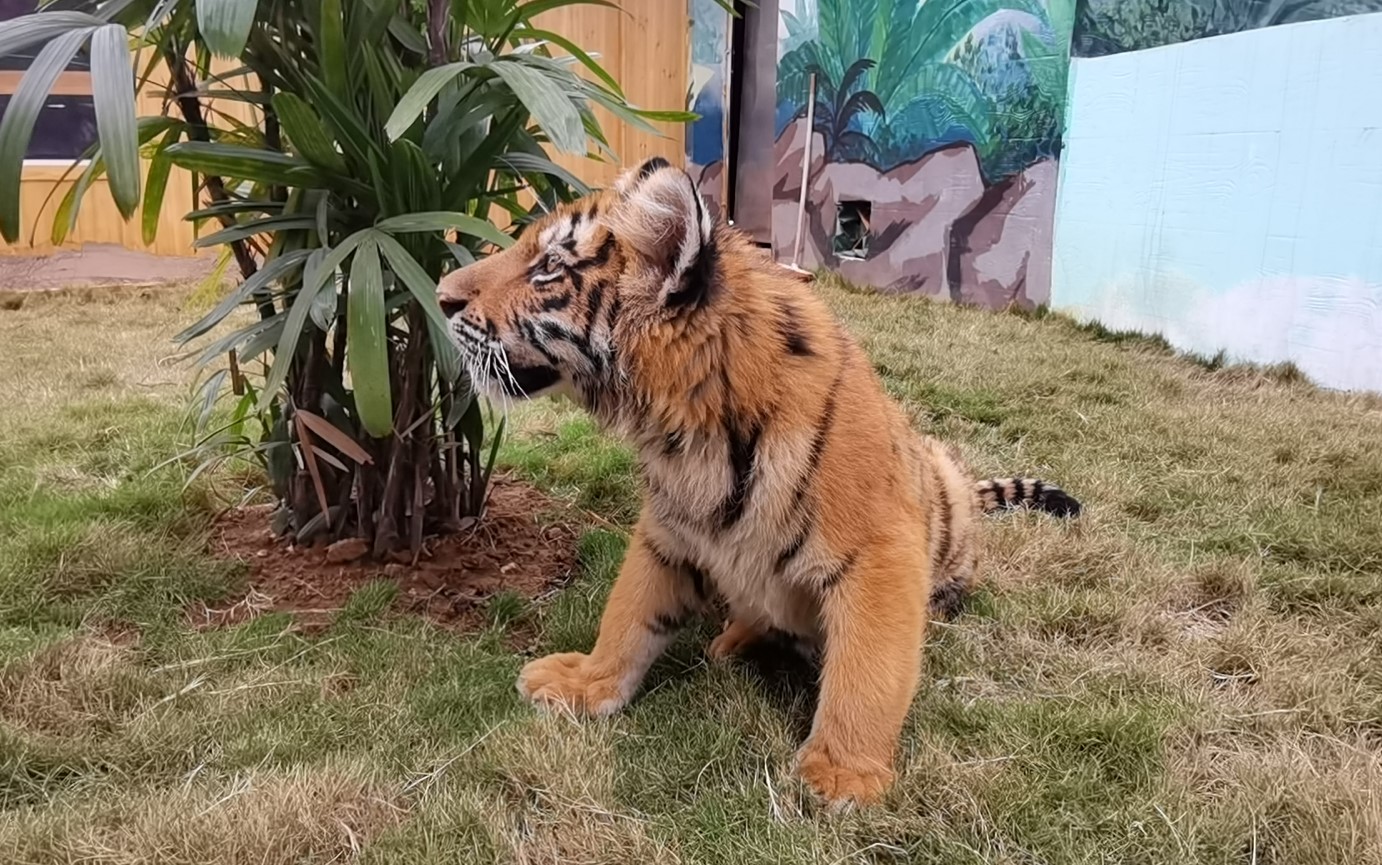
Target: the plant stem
(185, 94)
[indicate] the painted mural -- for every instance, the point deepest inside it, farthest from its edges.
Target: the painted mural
(706, 137)
(936, 132)
(1114, 26)
(1227, 194)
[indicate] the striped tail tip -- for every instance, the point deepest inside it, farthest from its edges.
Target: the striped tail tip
(997, 494)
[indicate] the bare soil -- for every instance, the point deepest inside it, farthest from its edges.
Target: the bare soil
(99, 264)
(525, 544)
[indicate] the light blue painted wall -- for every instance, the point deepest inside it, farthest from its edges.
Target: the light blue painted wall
(1227, 193)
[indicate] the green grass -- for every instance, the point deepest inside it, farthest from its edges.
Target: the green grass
(1191, 672)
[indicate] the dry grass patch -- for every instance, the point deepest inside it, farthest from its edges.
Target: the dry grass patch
(71, 688)
(268, 816)
(556, 781)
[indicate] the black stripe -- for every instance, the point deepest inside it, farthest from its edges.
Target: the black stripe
(831, 578)
(600, 257)
(790, 552)
(651, 167)
(1038, 492)
(743, 455)
(592, 312)
(556, 302)
(996, 489)
(943, 526)
(698, 581)
(666, 623)
(558, 331)
(947, 599)
(813, 459)
(662, 558)
(530, 330)
(1019, 491)
(553, 330)
(613, 318)
(597, 300)
(673, 443)
(698, 282)
(792, 336)
(1000, 493)
(685, 568)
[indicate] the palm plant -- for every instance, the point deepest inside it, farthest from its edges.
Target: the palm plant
(382, 136)
(839, 108)
(925, 98)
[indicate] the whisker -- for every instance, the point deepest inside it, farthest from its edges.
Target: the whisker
(501, 363)
(504, 366)
(492, 367)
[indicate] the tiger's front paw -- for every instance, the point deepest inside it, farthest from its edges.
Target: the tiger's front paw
(568, 681)
(843, 779)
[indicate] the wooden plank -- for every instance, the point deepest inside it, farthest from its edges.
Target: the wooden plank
(597, 30)
(41, 190)
(645, 46)
(654, 66)
(70, 83)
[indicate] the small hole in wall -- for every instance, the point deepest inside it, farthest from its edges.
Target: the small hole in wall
(852, 220)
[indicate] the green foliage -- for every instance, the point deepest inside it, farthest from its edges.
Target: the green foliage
(839, 106)
(920, 90)
(1114, 26)
(1026, 126)
(381, 141)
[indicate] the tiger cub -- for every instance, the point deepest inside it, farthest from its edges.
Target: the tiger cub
(781, 481)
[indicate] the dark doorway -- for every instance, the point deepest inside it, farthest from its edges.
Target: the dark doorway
(752, 107)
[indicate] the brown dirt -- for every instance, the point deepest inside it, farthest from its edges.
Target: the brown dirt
(99, 264)
(525, 544)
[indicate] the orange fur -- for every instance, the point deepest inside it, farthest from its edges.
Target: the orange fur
(780, 478)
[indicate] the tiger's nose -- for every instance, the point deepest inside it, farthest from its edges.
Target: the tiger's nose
(451, 307)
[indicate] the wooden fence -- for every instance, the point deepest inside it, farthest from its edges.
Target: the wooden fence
(644, 45)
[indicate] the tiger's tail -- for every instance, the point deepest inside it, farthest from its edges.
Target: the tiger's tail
(997, 494)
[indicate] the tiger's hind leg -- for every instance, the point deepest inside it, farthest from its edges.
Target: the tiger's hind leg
(736, 638)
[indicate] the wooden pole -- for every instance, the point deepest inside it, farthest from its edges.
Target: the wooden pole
(805, 170)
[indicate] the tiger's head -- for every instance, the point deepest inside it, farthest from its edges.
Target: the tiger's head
(552, 313)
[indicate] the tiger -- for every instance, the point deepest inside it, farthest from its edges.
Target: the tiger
(781, 484)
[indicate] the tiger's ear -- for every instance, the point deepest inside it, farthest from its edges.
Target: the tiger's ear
(664, 221)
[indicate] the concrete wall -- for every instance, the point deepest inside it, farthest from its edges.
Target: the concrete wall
(1227, 193)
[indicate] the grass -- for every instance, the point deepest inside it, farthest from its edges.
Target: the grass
(1191, 672)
